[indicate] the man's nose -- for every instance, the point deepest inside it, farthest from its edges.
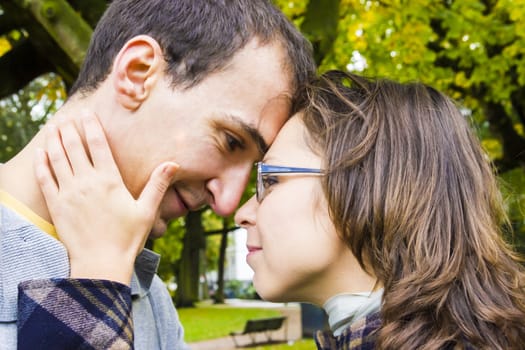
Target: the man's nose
(227, 190)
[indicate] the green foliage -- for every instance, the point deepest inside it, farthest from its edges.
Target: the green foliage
(213, 222)
(294, 9)
(170, 248)
(22, 114)
(171, 244)
(240, 290)
(513, 188)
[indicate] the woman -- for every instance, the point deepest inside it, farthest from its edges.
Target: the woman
(399, 237)
(383, 207)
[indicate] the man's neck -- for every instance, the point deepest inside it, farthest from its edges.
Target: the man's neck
(17, 178)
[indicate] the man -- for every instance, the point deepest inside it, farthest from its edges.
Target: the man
(205, 84)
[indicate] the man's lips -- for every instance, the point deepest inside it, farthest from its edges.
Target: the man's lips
(173, 205)
(181, 200)
(195, 200)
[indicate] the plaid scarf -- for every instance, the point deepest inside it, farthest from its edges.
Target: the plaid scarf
(358, 336)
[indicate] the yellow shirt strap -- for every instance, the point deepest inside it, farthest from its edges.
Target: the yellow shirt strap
(17, 206)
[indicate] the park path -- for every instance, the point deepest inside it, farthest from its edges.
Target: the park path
(290, 332)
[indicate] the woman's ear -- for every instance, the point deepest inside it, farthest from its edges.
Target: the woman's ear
(137, 68)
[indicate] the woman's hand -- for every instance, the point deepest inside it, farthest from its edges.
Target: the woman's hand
(102, 226)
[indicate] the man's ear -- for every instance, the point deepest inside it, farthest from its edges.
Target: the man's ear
(137, 68)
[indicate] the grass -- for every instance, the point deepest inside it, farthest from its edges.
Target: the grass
(208, 321)
(304, 344)
(215, 321)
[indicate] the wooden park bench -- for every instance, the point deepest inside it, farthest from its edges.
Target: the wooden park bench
(260, 325)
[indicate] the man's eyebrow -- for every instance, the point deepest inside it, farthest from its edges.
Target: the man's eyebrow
(254, 134)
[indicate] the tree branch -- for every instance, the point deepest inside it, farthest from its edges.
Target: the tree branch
(19, 66)
(64, 25)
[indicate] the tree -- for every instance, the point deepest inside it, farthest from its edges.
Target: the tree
(189, 267)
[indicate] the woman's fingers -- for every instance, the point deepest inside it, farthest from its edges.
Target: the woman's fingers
(44, 176)
(158, 184)
(98, 146)
(69, 159)
(75, 151)
(58, 161)
(96, 217)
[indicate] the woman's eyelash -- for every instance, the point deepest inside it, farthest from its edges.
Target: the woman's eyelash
(269, 180)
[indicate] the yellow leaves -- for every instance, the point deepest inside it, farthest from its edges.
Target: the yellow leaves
(5, 45)
(516, 8)
(414, 37)
(461, 79)
(354, 34)
(519, 129)
(53, 90)
(493, 148)
(292, 8)
(9, 39)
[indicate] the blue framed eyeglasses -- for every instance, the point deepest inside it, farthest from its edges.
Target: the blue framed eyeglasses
(264, 171)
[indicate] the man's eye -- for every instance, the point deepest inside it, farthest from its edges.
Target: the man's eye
(233, 143)
(269, 180)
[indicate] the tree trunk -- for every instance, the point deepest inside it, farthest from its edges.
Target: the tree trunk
(320, 26)
(219, 294)
(188, 274)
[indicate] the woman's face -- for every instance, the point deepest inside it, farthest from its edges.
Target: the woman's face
(294, 249)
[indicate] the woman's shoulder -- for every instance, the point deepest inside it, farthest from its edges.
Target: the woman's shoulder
(360, 335)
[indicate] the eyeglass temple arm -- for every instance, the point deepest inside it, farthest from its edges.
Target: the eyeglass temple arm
(264, 168)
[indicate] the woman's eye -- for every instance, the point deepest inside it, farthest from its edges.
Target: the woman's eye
(269, 180)
(233, 143)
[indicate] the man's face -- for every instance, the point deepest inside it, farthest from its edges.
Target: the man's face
(215, 131)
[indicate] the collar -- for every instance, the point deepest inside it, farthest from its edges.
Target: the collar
(24, 211)
(146, 266)
(344, 309)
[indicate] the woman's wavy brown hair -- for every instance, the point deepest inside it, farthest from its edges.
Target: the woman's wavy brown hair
(412, 193)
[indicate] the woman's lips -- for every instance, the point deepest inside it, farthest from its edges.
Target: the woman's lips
(252, 250)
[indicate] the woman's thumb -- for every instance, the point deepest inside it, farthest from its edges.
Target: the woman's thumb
(157, 185)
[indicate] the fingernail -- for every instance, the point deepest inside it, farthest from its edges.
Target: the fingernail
(170, 168)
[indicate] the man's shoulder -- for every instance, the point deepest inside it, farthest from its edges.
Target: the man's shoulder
(158, 287)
